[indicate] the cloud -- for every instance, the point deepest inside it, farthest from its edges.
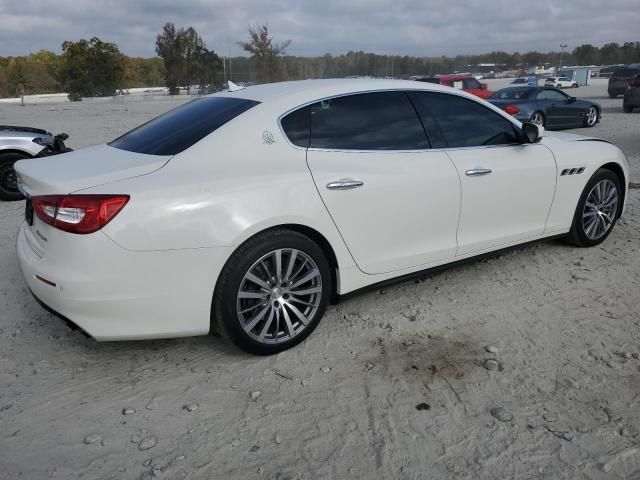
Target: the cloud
(402, 27)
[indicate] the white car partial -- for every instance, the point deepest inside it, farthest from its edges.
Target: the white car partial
(247, 212)
(560, 82)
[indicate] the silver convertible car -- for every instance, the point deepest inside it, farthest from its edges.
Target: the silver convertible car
(246, 212)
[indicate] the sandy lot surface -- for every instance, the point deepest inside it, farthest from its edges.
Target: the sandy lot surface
(392, 384)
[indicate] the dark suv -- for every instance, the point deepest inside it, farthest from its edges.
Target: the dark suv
(632, 95)
(620, 79)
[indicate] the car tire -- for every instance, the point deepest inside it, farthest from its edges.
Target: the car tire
(612, 95)
(559, 85)
(256, 308)
(538, 118)
(8, 186)
(591, 117)
(575, 85)
(627, 109)
(592, 201)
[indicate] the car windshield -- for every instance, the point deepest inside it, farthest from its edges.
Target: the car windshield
(512, 94)
(177, 130)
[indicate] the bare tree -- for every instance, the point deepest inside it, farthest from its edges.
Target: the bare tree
(265, 54)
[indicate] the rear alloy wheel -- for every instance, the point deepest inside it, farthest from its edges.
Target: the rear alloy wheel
(537, 118)
(597, 210)
(575, 85)
(8, 179)
(591, 118)
(272, 292)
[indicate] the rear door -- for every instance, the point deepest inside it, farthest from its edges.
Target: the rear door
(556, 108)
(507, 187)
(395, 201)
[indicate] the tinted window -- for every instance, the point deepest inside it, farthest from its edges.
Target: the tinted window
(513, 93)
(462, 122)
(370, 121)
(297, 127)
(472, 83)
(180, 128)
(554, 95)
(625, 72)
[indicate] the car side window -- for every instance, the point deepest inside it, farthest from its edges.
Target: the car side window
(471, 83)
(455, 121)
(297, 126)
(553, 95)
(367, 121)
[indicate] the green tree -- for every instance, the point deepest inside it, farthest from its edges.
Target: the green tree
(265, 55)
(91, 68)
(586, 54)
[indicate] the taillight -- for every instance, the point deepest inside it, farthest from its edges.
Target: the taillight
(78, 213)
(512, 110)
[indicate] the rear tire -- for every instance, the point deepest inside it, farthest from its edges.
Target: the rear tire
(596, 204)
(8, 182)
(537, 118)
(627, 109)
(612, 95)
(258, 304)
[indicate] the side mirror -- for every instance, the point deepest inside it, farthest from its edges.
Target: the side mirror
(572, 99)
(531, 133)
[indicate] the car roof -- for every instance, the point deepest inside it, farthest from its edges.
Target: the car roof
(305, 91)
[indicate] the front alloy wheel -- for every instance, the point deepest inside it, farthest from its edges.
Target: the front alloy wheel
(597, 210)
(272, 292)
(592, 117)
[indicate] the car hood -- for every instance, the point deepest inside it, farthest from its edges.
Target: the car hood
(551, 138)
(81, 169)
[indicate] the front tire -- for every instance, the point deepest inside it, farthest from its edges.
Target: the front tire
(272, 292)
(591, 118)
(597, 210)
(8, 181)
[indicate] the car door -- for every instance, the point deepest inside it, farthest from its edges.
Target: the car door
(395, 202)
(507, 187)
(555, 106)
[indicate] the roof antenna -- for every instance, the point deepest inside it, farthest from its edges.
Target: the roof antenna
(233, 87)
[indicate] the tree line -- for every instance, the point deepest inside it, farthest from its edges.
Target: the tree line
(95, 68)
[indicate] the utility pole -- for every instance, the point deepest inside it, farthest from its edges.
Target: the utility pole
(229, 55)
(561, 57)
(224, 68)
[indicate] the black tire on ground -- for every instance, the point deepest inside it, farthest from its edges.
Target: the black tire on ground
(612, 95)
(8, 189)
(224, 314)
(577, 235)
(627, 109)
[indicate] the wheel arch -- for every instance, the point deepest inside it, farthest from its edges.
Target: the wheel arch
(619, 172)
(14, 150)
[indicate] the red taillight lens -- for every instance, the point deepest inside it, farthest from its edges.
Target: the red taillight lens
(78, 213)
(512, 110)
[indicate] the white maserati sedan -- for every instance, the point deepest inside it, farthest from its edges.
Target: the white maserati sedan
(246, 212)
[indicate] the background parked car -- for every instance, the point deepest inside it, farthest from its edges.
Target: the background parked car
(560, 82)
(18, 143)
(619, 80)
(531, 81)
(546, 106)
(632, 95)
(462, 82)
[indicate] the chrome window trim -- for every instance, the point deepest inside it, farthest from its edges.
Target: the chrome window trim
(513, 121)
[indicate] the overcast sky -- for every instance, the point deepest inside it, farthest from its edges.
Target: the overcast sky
(315, 27)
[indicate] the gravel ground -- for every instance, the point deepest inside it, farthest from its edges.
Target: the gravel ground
(393, 384)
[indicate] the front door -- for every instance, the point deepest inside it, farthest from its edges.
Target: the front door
(507, 187)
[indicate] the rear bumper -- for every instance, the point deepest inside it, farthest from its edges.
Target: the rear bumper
(116, 294)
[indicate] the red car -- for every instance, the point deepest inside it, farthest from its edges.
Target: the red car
(463, 82)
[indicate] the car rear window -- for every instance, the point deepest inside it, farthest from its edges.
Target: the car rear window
(625, 72)
(178, 129)
(513, 93)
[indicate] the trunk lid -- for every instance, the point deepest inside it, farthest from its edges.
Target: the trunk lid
(82, 169)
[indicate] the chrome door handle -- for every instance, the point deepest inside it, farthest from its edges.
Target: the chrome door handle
(344, 184)
(477, 172)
